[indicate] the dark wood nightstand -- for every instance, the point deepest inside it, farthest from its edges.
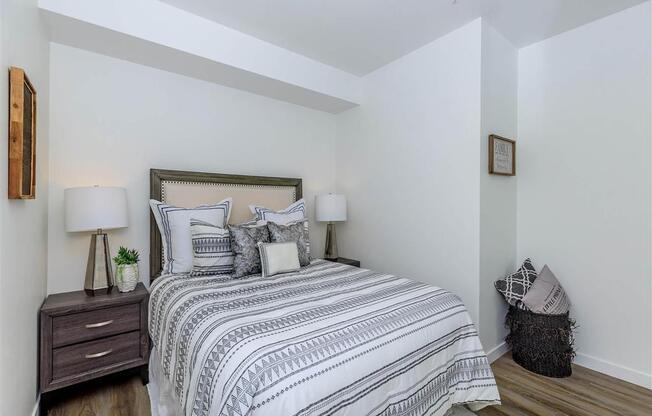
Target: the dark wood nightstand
(343, 260)
(85, 337)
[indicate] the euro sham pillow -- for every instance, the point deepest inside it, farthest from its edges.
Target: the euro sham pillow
(294, 213)
(211, 249)
(244, 243)
(516, 285)
(546, 295)
(291, 233)
(277, 258)
(174, 225)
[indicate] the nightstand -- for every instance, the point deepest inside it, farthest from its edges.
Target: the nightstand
(343, 260)
(85, 337)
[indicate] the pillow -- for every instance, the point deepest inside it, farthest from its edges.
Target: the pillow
(291, 233)
(244, 243)
(296, 212)
(516, 285)
(276, 258)
(211, 249)
(546, 295)
(174, 226)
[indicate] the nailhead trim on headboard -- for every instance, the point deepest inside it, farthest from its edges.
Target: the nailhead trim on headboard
(226, 186)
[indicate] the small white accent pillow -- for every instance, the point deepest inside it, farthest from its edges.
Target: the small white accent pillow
(294, 213)
(174, 226)
(278, 258)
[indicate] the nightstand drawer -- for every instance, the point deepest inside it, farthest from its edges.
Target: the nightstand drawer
(84, 326)
(94, 355)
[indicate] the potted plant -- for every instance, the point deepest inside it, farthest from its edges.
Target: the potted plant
(126, 273)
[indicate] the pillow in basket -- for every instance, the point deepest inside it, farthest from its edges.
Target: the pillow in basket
(516, 285)
(546, 295)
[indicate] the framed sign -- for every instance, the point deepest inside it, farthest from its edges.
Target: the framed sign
(22, 136)
(502, 156)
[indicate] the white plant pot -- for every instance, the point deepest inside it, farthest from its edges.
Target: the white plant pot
(126, 277)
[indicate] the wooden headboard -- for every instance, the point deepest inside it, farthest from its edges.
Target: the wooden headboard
(190, 189)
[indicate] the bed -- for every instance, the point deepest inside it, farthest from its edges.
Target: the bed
(330, 339)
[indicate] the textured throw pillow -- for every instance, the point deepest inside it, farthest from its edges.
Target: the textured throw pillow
(546, 295)
(276, 258)
(516, 285)
(291, 233)
(294, 213)
(174, 226)
(244, 243)
(211, 249)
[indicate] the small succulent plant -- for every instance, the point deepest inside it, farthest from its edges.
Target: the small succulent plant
(126, 256)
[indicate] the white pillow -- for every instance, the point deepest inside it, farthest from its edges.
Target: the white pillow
(294, 213)
(278, 258)
(174, 226)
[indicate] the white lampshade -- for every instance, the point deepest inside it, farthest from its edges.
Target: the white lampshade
(95, 207)
(331, 207)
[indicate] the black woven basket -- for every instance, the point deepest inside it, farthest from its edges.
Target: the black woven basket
(540, 343)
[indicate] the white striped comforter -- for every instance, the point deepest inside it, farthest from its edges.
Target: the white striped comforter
(328, 340)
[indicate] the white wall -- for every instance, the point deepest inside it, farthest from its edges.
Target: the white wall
(421, 203)
(584, 185)
(408, 159)
(497, 193)
(113, 120)
(23, 227)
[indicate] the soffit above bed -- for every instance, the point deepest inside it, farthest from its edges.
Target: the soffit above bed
(158, 35)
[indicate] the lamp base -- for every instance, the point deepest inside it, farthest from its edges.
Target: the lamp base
(99, 273)
(330, 251)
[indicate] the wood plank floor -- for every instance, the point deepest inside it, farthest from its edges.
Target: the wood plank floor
(114, 396)
(585, 393)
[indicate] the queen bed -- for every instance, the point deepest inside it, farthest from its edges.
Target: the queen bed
(328, 339)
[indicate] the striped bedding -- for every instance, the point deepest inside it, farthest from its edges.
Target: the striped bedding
(330, 339)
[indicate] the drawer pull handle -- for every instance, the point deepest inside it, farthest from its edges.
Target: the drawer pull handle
(99, 354)
(99, 324)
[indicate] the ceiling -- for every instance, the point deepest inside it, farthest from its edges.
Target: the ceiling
(359, 36)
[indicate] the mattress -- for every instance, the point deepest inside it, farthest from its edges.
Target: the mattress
(330, 339)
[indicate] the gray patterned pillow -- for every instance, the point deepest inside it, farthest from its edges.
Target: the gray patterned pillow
(244, 242)
(211, 249)
(516, 285)
(293, 232)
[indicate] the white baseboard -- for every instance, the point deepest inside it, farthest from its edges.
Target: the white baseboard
(497, 351)
(596, 364)
(35, 412)
(614, 370)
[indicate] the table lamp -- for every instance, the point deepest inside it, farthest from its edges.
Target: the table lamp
(330, 208)
(96, 208)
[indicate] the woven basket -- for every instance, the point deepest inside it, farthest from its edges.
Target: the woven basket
(540, 343)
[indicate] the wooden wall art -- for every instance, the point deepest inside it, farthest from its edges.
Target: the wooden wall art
(22, 136)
